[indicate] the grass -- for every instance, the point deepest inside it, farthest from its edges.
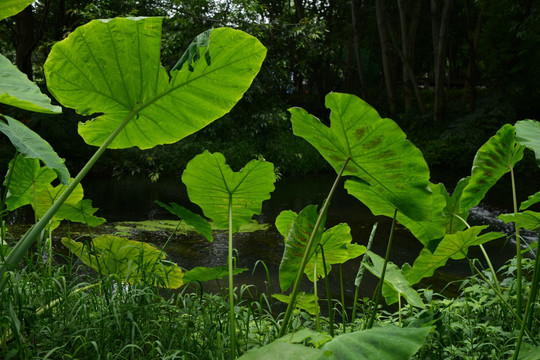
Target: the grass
(67, 312)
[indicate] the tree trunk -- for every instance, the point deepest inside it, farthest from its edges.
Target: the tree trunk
(24, 25)
(386, 53)
(356, 45)
(440, 19)
(473, 37)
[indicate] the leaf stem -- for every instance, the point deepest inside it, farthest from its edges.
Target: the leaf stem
(305, 258)
(22, 246)
(378, 290)
(231, 285)
(518, 249)
(361, 270)
(328, 294)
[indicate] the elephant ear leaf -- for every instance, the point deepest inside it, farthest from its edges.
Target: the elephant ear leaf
(17, 90)
(11, 7)
(31, 145)
(222, 193)
(494, 159)
(528, 134)
(113, 67)
(376, 149)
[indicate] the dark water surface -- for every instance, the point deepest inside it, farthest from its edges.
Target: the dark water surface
(133, 198)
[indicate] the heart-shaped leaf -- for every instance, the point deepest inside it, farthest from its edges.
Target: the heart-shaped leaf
(453, 246)
(202, 274)
(295, 245)
(213, 186)
(198, 222)
(113, 67)
(285, 351)
(81, 212)
(27, 180)
(16, 90)
(395, 282)
(529, 220)
(31, 145)
(11, 7)
(132, 261)
(494, 159)
(377, 150)
(528, 134)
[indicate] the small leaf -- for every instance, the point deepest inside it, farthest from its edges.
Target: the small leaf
(377, 150)
(528, 134)
(284, 222)
(494, 159)
(16, 90)
(388, 343)
(203, 274)
(533, 199)
(307, 302)
(295, 245)
(27, 180)
(11, 7)
(453, 246)
(212, 185)
(198, 222)
(31, 145)
(81, 212)
(529, 220)
(395, 280)
(132, 261)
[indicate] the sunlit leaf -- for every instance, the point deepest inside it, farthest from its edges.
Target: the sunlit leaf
(453, 207)
(284, 222)
(27, 180)
(295, 245)
(453, 246)
(533, 199)
(16, 90)
(284, 351)
(198, 222)
(212, 185)
(528, 134)
(11, 7)
(395, 280)
(31, 145)
(47, 196)
(81, 212)
(529, 220)
(202, 274)
(379, 153)
(338, 249)
(307, 302)
(113, 67)
(132, 261)
(494, 159)
(388, 343)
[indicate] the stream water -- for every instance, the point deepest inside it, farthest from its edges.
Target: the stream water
(133, 198)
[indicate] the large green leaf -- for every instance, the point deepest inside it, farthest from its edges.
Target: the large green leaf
(81, 212)
(132, 261)
(295, 245)
(285, 351)
(528, 134)
(379, 153)
(212, 185)
(395, 282)
(113, 67)
(453, 207)
(202, 274)
(338, 249)
(429, 231)
(48, 195)
(453, 246)
(16, 90)
(11, 7)
(198, 222)
(31, 145)
(388, 343)
(494, 159)
(27, 180)
(533, 199)
(529, 220)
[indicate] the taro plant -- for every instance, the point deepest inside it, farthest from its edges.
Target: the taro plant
(112, 68)
(230, 199)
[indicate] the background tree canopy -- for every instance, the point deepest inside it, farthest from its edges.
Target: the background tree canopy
(450, 72)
